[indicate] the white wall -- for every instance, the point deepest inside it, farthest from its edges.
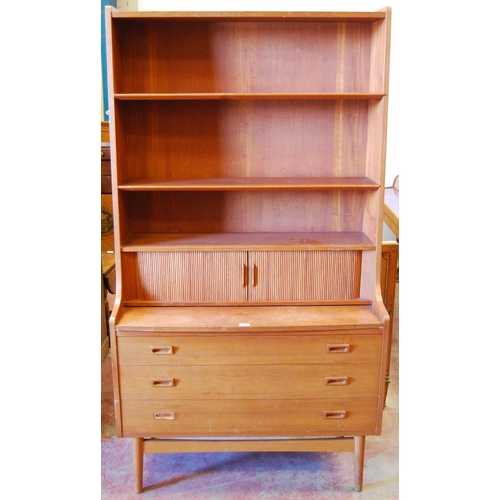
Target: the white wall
(127, 5)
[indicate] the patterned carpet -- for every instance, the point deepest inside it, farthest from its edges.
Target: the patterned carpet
(251, 476)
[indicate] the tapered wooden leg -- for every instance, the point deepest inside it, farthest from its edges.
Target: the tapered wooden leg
(359, 461)
(138, 456)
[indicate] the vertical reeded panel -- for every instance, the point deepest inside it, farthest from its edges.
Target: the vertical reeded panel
(304, 275)
(190, 276)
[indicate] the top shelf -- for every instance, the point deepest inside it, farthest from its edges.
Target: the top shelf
(357, 17)
(183, 96)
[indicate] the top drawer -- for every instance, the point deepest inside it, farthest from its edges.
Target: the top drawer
(181, 349)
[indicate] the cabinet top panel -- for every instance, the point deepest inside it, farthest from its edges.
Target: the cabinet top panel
(248, 319)
(256, 16)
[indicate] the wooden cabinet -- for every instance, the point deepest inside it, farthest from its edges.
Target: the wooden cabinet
(248, 155)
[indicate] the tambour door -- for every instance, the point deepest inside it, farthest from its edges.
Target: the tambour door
(185, 277)
(240, 276)
(320, 275)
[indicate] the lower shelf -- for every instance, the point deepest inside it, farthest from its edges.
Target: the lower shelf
(143, 242)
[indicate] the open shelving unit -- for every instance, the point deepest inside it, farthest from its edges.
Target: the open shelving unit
(248, 155)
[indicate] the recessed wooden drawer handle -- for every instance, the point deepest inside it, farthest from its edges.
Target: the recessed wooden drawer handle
(336, 380)
(168, 382)
(162, 350)
(330, 414)
(165, 415)
(337, 348)
(255, 275)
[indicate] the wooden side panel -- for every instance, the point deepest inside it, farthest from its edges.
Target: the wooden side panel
(304, 275)
(178, 277)
(380, 50)
(375, 167)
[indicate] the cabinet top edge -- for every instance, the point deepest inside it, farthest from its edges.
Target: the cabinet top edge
(250, 16)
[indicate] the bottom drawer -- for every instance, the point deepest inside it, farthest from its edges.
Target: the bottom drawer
(248, 418)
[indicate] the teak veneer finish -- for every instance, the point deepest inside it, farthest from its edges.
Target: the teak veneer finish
(248, 155)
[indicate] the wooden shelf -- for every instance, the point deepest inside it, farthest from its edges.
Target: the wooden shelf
(247, 318)
(357, 17)
(253, 183)
(187, 96)
(145, 242)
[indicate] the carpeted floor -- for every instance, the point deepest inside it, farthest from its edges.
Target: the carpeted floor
(251, 476)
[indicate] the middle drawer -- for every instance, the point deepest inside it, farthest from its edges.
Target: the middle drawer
(249, 381)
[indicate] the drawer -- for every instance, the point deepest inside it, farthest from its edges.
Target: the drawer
(236, 349)
(249, 381)
(248, 418)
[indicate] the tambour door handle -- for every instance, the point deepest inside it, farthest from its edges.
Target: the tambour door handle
(245, 275)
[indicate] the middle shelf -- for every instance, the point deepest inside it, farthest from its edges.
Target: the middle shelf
(270, 241)
(251, 183)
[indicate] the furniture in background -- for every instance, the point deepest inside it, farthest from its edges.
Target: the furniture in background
(390, 253)
(391, 207)
(104, 323)
(108, 273)
(248, 158)
(388, 280)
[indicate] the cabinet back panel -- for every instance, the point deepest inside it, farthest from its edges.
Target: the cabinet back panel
(256, 211)
(176, 140)
(203, 56)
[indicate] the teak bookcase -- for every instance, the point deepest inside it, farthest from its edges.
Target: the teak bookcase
(248, 155)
